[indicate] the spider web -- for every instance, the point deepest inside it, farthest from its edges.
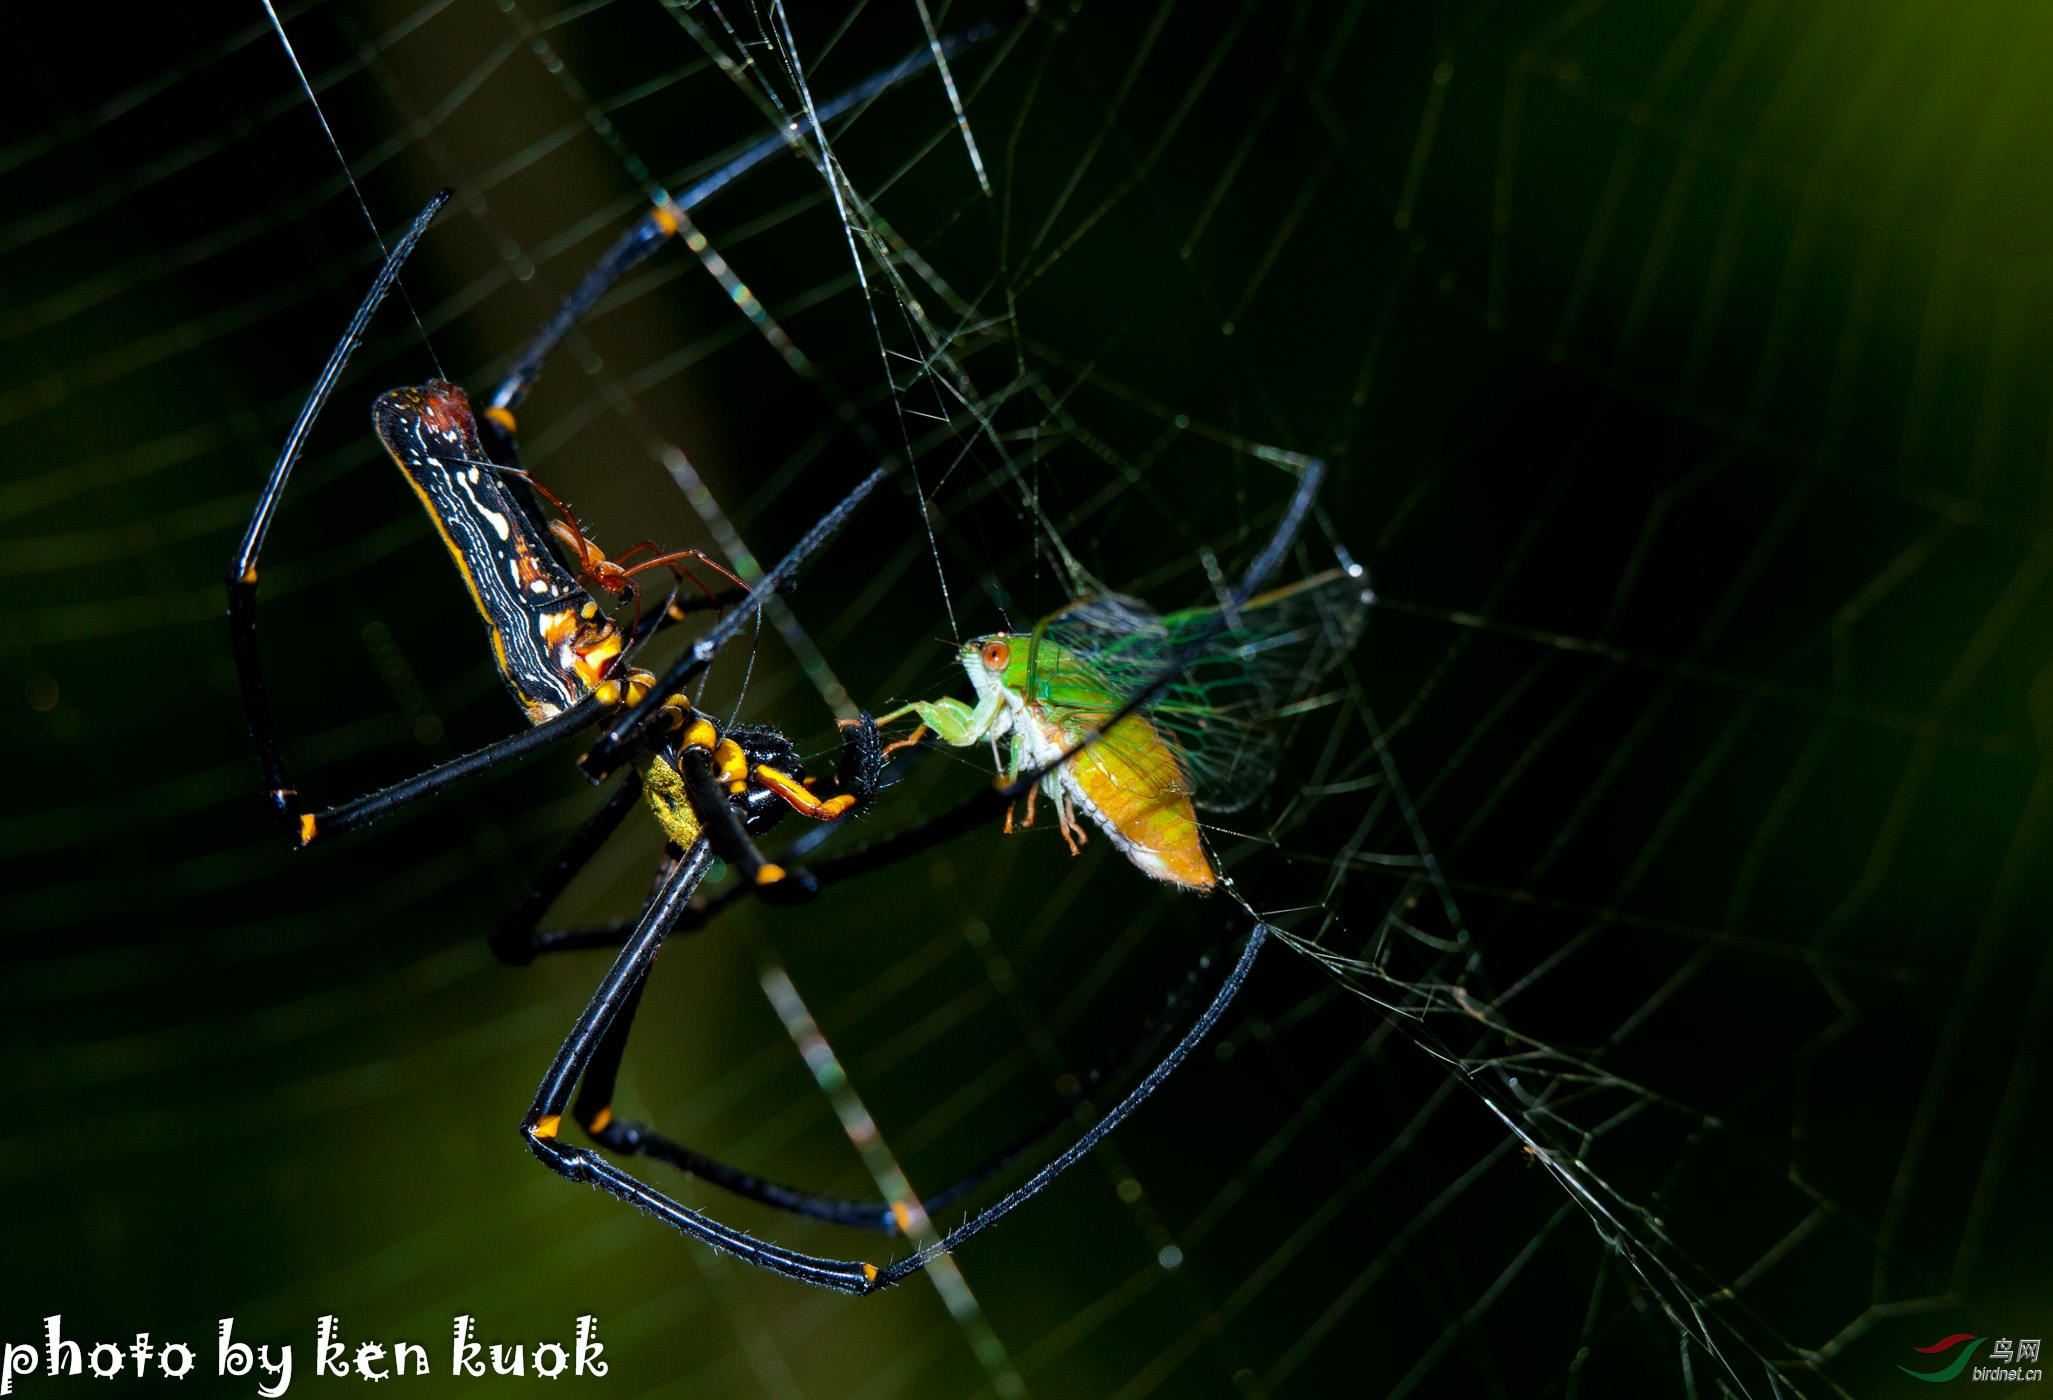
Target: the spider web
(1663, 872)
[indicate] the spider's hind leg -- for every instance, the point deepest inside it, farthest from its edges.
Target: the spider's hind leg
(593, 1110)
(591, 1053)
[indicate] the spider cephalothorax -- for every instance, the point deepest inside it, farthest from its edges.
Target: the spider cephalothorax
(762, 807)
(614, 576)
(752, 773)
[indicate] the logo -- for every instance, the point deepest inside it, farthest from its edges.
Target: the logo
(1959, 1363)
(2006, 1350)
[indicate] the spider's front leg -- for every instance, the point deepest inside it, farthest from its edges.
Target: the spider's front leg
(740, 783)
(858, 775)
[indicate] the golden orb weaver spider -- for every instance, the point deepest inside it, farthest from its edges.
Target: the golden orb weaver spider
(568, 664)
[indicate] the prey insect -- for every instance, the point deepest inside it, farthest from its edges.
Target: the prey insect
(1203, 741)
(613, 575)
(712, 789)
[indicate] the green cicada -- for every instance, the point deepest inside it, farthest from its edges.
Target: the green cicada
(1204, 741)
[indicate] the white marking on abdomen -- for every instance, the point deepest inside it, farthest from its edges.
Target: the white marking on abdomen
(499, 522)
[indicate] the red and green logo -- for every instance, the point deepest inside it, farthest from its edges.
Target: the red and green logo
(1952, 1368)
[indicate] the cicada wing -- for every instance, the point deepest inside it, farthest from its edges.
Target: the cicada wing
(1223, 708)
(1232, 758)
(1096, 653)
(1284, 641)
(1218, 708)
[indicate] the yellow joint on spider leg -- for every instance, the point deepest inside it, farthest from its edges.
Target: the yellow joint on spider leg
(666, 217)
(701, 735)
(600, 1120)
(869, 1273)
(674, 710)
(729, 763)
(902, 1216)
(306, 828)
(545, 1127)
(503, 417)
(769, 874)
(607, 693)
(595, 662)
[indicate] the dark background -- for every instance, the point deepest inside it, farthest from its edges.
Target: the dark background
(1686, 375)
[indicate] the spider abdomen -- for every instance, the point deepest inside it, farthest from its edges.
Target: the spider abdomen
(551, 643)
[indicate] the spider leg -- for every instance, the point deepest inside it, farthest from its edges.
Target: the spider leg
(504, 452)
(1141, 1092)
(307, 826)
(622, 737)
(515, 940)
(595, 1074)
(670, 561)
(859, 772)
(544, 1118)
(348, 816)
(669, 218)
(566, 536)
(680, 608)
(592, 1050)
(631, 586)
(593, 1110)
(562, 509)
(985, 805)
(799, 798)
(730, 839)
(242, 572)
(909, 741)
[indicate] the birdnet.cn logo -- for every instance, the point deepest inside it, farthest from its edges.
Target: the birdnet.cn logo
(2008, 1359)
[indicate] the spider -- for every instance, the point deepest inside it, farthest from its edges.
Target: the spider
(712, 789)
(593, 566)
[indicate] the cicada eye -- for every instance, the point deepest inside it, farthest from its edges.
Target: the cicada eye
(996, 654)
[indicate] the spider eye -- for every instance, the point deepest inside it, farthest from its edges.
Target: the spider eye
(996, 654)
